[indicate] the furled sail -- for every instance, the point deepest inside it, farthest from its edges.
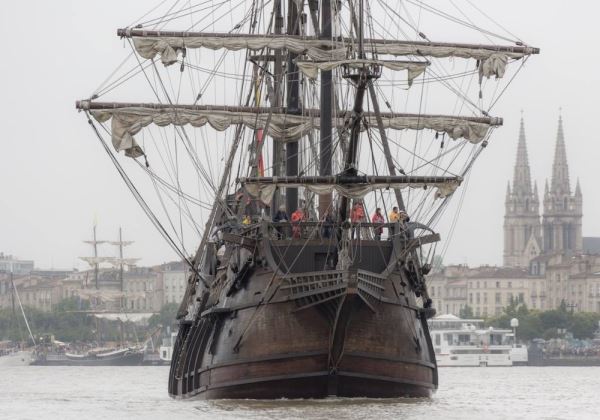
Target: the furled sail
(354, 187)
(167, 44)
(97, 260)
(311, 68)
(128, 119)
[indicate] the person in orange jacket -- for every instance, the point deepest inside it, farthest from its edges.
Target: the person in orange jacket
(297, 217)
(357, 215)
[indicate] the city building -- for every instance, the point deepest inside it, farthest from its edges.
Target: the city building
(174, 279)
(11, 264)
(547, 261)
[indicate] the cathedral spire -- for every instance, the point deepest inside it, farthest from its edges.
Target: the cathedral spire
(560, 168)
(578, 189)
(522, 176)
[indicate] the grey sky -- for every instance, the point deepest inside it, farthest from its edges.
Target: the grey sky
(55, 178)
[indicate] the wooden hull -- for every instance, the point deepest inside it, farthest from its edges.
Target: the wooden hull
(314, 335)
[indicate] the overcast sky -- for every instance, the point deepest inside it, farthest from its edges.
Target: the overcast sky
(55, 179)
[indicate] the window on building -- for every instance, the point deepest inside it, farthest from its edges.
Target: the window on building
(485, 298)
(498, 298)
(478, 297)
(510, 284)
(521, 297)
(497, 285)
(470, 297)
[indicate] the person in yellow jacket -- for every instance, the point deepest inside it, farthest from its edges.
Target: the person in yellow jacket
(396, 216)
(393, 217)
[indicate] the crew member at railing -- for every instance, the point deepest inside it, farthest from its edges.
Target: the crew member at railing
(280, 216)
(327, 221)
(297, 217)
(394, 218)
(378, 219)
(246, 220)
(357, 216)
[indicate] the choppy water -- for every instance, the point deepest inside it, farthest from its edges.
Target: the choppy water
(42, 392)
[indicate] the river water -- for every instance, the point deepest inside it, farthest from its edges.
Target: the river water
(43, 392)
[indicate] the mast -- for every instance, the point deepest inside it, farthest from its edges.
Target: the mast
(96, 265)
(293, 102)
(278, 149)
(21, 306)
(326, 108)
(121, 260)
(360, 79)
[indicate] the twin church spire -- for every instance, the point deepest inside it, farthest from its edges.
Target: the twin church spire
(522, 228)
(559, 230)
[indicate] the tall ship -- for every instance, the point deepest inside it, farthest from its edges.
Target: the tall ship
(308, 150)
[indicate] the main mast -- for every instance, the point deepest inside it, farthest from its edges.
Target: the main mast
(360, 78)
(325, 144)
(293, 100)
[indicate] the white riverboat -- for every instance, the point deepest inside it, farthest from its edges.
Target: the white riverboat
(466, 342)
(166, 350)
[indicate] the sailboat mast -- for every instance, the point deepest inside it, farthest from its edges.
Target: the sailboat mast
(95, 258)
(121, 260)
(293, 101)
(325, 144)
(16, 293)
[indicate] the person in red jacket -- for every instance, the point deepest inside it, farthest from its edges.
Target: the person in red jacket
(378, 219)
(357, 215)
(297, 217)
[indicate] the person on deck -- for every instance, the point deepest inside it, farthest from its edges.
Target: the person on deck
(280, 216)
(297, 217)
(357, 216)
(246, 220)
(378, 219)
(327, 222)
(394, 217)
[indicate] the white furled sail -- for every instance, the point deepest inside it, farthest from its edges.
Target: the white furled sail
(413, 68)
(150, 44)
(357, 189)
(129, 119)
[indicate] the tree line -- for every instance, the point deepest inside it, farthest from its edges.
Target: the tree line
(542, 324)
(69, 321)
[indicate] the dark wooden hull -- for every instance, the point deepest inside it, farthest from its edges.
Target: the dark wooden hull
(310, 335)
(129, 359)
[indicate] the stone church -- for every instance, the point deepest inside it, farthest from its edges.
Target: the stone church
(527, 234)
(546, 259)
